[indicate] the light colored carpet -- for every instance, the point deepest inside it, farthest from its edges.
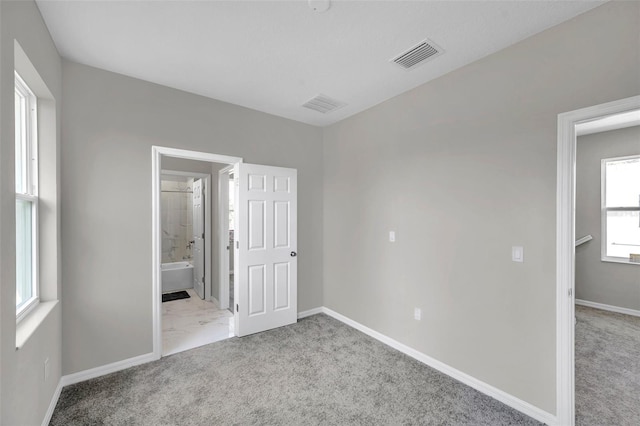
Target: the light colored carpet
(607, 368)
(318, 371)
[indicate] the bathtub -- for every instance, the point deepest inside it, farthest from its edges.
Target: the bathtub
(176, 276)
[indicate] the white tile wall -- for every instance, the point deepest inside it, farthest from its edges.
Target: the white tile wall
(176, 220)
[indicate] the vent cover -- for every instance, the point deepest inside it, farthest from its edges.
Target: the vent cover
(323, 104)
(418, 54)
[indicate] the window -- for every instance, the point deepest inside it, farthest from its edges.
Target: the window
(620, 208)
(26, 198)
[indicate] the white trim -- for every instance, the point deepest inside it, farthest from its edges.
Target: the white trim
(30, 164)
(507, 399)
(26, 328)
(609, 308)
(92, 373)
(156, 240)
(565, 248)
(103, 370)
(619, 260)
(52, 404)
(31, 134)
(223, 241)
(310, 312)
(208, 231)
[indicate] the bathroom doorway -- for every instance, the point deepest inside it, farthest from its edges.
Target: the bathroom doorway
(189, 203)
(264, 249)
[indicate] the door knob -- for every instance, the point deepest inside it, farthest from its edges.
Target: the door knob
(294, 254)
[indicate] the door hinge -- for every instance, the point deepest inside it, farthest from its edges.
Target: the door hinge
(570, 292)
(238, 244)
(203, 235)
(237, 308)
(202, 280)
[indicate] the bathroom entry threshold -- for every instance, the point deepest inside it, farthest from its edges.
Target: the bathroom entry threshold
(193, 322)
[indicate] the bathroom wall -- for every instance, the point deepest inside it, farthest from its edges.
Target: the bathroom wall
(176, 218)
(610, 283)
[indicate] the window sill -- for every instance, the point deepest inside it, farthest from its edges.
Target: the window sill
(30, 323)
(619, 260)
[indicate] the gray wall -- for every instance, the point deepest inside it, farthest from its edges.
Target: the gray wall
(610, 283)
(110, 123)
(463, 168)
(25, 394)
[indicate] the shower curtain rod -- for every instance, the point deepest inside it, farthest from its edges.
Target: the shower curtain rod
(182, 192)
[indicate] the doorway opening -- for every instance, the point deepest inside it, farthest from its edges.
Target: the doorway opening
(607, 269)
(191, 316)
(566, 247)
(264, 248)
(186, 205)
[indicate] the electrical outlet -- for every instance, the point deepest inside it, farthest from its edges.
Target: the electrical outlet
(392, 236)
(47, 371)
(417, 314)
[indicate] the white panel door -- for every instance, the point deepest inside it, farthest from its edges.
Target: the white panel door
(266, 267)
(198, 238)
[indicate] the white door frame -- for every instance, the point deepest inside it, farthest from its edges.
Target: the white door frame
(223, 226)
(565, 249)
(206, 178)
(156, 232)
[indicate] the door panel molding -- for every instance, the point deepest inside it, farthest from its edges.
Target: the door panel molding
(266, 222)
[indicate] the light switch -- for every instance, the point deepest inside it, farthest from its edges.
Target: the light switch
(392, 236)
(417, 314)
(517, 254)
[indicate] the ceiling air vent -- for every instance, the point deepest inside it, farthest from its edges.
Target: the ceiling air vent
(418, 54)
(323, 104)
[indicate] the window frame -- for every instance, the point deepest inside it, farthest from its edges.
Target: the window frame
(604, 210)
(30, 165)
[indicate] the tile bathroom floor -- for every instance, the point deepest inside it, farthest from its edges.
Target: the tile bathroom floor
(193, 322)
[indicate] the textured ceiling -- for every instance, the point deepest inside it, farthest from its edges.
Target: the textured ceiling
(273, 56)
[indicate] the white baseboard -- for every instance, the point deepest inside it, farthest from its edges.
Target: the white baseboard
(510, 400)
(52, 404)
(310, 312)
(610, 308)
(92, 373)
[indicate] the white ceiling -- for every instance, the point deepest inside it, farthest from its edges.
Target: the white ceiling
(273, 56)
